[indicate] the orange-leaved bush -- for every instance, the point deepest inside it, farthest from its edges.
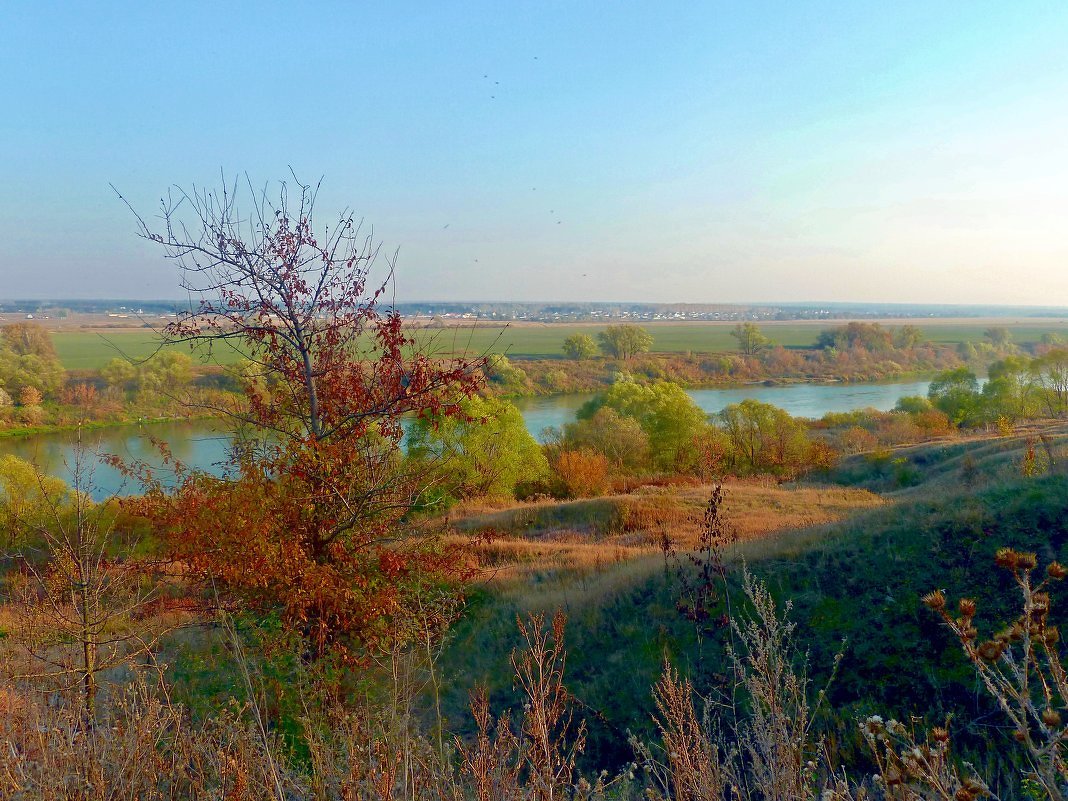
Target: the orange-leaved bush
(582, 472)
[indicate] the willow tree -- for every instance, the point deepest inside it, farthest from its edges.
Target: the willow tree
(625, 340)
(751, 339)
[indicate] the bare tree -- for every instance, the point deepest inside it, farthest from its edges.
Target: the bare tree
(82, 611)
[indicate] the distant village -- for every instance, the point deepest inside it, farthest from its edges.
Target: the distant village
(127, 312)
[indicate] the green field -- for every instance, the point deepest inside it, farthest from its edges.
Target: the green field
(91, 350)
(87, 349)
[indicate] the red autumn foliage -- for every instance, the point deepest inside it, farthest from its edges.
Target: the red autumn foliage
(310, 523)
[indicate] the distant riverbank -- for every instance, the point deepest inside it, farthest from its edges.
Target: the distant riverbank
(204, 443)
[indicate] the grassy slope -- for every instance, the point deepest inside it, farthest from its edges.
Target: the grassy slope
(89, 349)
(538, 549)
(860, 579)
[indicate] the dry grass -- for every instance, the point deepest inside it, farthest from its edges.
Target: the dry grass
(568, 546)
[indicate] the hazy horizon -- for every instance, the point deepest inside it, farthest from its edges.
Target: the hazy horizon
(907, 153)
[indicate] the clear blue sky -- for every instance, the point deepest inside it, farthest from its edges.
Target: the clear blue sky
(728, 151)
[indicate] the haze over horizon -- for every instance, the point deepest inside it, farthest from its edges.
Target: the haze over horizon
(906, 153)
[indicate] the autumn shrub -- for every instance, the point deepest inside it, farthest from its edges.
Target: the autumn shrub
(711, 454)
(858, 440)
(583, 473)
(30, 415)
(554, 381)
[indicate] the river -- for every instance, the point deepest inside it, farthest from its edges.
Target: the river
(203, 444)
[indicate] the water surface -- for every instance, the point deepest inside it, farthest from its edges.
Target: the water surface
(204, 444)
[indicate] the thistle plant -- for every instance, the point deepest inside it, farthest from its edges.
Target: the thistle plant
(913, 769)
(1021, 667)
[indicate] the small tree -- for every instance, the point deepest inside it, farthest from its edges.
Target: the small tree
(310, 521)
(1011, 392)
(1051, 374)
(80, 611)
(624, 341)
(907, 336)
(18, 371)
(29, 339)
(999, 336)
(750, 338)
(27, 500)
(580, 347)
(766, 439)
(118, 373)
(956, 393)
(870, 336)
(165, 372)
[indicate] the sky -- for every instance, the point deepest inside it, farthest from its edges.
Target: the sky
(673, 152)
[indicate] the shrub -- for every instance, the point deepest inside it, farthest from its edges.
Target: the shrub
(580, 347)
(858, 440)
(582, 472)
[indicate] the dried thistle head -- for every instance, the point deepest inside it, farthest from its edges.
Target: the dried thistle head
(1027, 561)
(1006, 558)
(873, 727)
(967, 607)
(934, 600)
(1051, 717)
(940, 734)
(1056, 571)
